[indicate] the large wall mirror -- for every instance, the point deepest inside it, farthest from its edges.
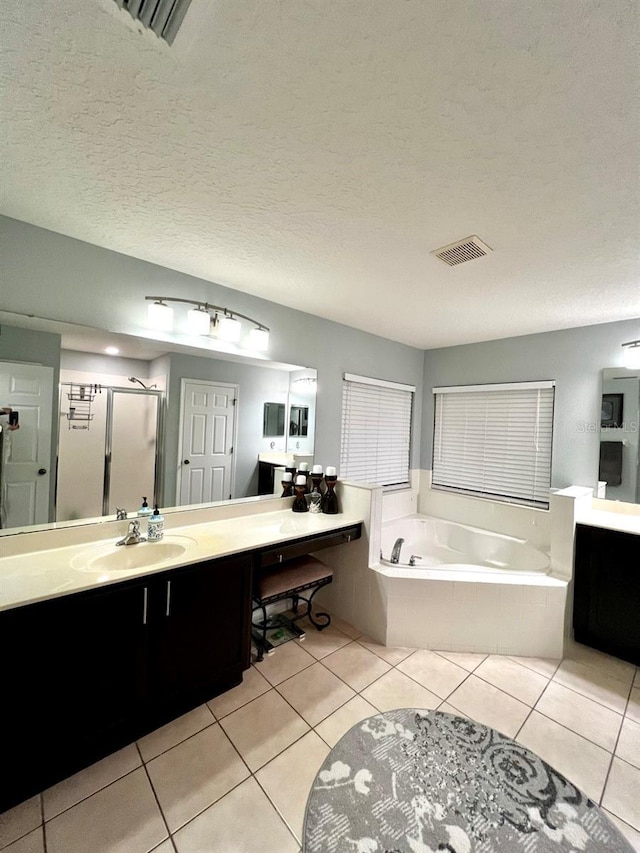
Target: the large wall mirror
(619, 467)
(172, 425)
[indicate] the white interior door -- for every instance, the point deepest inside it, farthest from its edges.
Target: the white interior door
(208, 428)
(26, 478)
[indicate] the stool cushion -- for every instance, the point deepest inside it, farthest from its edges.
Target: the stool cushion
(291, 575)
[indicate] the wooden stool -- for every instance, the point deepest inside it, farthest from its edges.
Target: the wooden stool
(289, 580)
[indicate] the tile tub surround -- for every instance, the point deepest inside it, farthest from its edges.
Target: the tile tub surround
(190, 786)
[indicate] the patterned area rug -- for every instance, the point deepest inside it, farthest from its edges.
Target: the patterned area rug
(426, 782)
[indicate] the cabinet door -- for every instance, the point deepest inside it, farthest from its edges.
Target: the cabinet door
(202, 646)
(74, 682)
(607, 591)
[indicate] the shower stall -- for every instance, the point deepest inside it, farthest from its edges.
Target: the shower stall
(109, 449)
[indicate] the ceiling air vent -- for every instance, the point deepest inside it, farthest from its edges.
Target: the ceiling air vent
(163, 17)
(462, 251)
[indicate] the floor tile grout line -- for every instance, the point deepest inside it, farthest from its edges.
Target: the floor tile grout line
(178, 743)
(155, 796)
(543, 674)
(602, 671)
(615, 746)
(506, 692)
(93, 793)
(580, 693)
(217, 800)
(276, 809)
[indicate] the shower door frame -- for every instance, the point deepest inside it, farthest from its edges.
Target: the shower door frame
(158, 475)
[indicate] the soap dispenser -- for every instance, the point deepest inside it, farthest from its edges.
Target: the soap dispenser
(145, 509)
(155, 530)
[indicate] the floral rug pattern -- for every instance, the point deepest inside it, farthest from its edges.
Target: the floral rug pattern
(411, 781)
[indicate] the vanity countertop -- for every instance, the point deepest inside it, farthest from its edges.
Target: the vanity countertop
(49, 573)
(623, 522)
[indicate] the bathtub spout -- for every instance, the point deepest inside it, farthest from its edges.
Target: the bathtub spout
(395, 551)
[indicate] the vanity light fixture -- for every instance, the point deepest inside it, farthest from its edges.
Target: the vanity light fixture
(160, 315)
(207, 319)
(199, 321)
(632, 354)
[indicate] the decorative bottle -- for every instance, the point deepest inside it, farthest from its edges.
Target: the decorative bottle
(155, 529)
(315, 495)
(300, 501)
(145, 509)
(330, 499)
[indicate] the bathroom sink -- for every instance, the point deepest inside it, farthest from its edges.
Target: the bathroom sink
(124, 557)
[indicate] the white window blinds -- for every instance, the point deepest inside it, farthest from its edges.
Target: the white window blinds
(495, 440)
(376, 431)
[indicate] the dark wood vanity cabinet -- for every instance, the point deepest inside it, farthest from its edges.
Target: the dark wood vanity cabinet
(88, 673)
(200, 630)
(606, 609)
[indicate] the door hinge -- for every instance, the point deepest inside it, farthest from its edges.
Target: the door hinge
(235, 400)
(230, 450)
(229, 497)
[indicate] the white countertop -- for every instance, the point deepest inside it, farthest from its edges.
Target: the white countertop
(626, 523)
(49, 573)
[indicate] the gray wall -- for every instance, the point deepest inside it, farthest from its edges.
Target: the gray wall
(257, 385)
(37, 348)
(64, 279)
(573, 357)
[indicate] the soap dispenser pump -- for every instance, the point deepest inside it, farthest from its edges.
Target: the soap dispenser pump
(155, 530)
(145, 509)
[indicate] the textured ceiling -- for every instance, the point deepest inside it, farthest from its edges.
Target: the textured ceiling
(313, 152)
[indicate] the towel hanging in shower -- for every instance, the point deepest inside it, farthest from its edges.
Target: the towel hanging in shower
(611, 462)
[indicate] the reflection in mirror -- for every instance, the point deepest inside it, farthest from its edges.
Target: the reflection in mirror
(273, 419)
(299, 420)
(113, 454)
(620, 435)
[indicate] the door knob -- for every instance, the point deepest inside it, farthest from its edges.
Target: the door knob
(186, 461)
(42, 471)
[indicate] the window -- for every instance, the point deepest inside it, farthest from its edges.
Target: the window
(494, 441)
(376, 431)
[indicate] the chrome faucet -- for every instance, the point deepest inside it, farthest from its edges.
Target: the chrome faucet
(133, 535)
(121, 514)
(395, 551)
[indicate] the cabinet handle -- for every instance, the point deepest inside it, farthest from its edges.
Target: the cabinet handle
(347, 536)
(144, 605)
(280, 557)
(168, 598)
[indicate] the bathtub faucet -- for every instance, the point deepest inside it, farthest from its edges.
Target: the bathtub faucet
(395, 551)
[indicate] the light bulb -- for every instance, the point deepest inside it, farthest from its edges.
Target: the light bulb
(229, 329)
(259, 340)
(160, 316)
(198, 321)
(632, 356)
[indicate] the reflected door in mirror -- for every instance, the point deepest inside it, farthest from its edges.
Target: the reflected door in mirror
(208, 427)
(25, 461)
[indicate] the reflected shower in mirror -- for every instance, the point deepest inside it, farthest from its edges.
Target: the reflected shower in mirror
(619, 469)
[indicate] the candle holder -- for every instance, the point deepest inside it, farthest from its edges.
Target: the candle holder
(303, 471)
(287, 485)
(300, 500)
(330, 499)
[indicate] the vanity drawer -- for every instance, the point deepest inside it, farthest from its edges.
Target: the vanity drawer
(308, 545)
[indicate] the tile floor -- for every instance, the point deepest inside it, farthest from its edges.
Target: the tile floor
(233, 775)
